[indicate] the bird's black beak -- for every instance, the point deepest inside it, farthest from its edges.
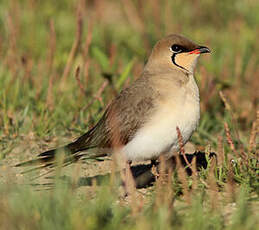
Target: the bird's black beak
(204, 49)
(200, 50)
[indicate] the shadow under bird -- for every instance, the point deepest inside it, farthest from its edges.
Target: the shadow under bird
(140, 123)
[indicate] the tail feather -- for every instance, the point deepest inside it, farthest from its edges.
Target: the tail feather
(50, 154)
(71, 153)
(48, 157)
(34, 162)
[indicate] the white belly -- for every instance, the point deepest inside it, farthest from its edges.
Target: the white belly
(159, 136)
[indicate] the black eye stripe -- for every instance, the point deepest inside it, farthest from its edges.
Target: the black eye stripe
(178, 48)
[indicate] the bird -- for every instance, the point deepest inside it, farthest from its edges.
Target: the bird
(141, 122)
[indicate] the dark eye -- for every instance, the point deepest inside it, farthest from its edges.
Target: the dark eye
(176, 48)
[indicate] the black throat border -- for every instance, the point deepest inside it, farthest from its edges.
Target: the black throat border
(173, 60)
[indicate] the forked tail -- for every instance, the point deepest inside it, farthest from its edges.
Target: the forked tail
(68, 153)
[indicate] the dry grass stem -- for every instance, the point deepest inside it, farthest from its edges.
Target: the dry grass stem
(230, 185)
(183, 179)
(212, 183)
(181, 145)
(50, 102)
(194, 174)
(50, 60)
(164, 188)
(97, 96)
(87, 59)
(224, 99)
(233, 120)
(13, 29)
(254, 133)
(88, 40)
(170, 189)
(230, 140)
(76, 43)
(79, 83)
(52, 46)
(220, 151)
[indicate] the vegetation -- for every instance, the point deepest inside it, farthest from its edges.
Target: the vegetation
(63, 61)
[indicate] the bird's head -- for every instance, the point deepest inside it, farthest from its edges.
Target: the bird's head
(175, 52)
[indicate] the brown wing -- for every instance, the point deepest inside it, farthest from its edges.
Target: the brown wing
(120, 122)
(124, 116)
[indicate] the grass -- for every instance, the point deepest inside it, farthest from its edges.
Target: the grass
(62, 62)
